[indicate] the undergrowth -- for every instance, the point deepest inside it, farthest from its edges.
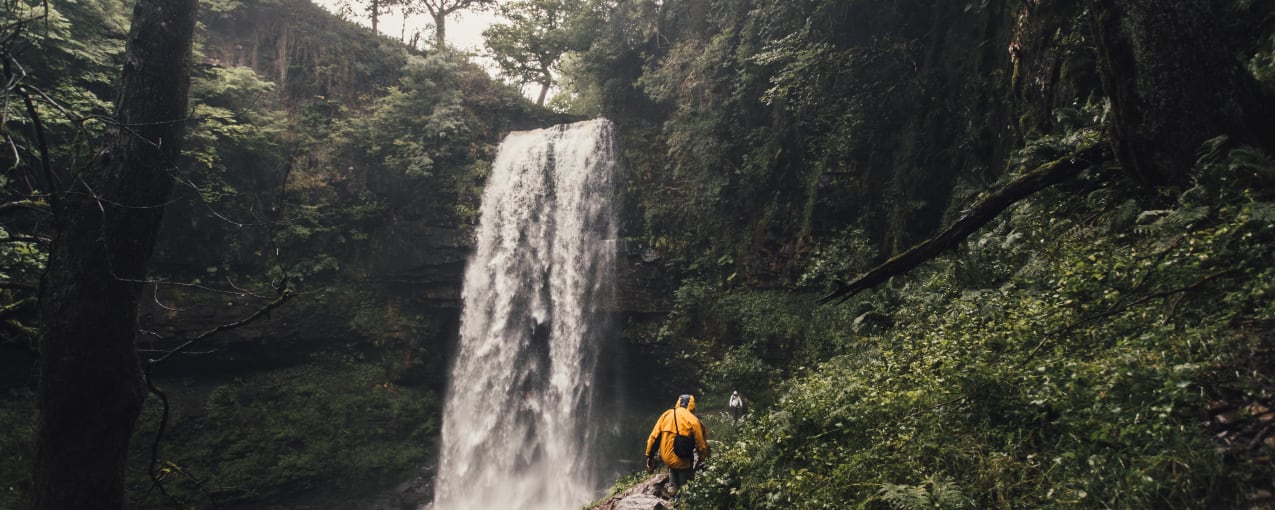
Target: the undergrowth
(328, 427)
(1069, 356)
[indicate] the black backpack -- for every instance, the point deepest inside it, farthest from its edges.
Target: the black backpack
(683, 446)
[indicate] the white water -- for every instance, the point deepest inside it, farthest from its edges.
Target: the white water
(517, 428)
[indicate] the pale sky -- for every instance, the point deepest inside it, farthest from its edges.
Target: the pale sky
(464, 32)
(464, 29)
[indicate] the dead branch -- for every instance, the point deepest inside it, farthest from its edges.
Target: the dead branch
(27, 239)
(37, 128)
(284, 295)
(15, 308)
(27, 204)
(974, 218)
(16, 286)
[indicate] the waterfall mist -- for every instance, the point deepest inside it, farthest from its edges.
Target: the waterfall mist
(518, 423)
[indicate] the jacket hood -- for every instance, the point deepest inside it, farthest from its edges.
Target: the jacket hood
(690, 402)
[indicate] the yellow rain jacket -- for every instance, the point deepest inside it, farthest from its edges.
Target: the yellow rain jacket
(667, 426)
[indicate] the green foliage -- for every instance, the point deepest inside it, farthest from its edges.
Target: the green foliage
(77, 45)
(777, 125)
(539, 33)
(235, 156)
(739, 368)
(235, 125)
(24, 260)
(748, 340)
(293, 171)
(404, 344)
(600, 80)
(1262, 65)
(59, 67)
(424, 141)
(845, 256)
(330, 422)
(1079, 377)
(624, 482)
(931, 493)
(65, 58)
(221, 6)
(17, 447)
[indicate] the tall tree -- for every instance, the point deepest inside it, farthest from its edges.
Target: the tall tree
(1174, 82)
(90, 390)
(539, 33)
(374, 9)
(439, 10)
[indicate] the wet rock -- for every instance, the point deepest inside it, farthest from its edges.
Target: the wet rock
(642, 502)
(646, 495)
(417, 492)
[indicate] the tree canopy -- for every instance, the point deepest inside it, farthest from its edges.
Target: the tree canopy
(539, 33)
(440, 10)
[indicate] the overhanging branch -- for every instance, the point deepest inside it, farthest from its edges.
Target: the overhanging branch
(284, 295)
(974, 218)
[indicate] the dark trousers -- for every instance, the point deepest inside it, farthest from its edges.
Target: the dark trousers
(679, 477)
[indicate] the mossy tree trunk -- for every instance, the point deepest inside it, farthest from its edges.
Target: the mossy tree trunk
(91, 389)
(1173, 83)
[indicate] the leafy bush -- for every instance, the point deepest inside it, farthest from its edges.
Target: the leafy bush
(17, 447)
(327, 424)
(1081, 377)
(750, 340)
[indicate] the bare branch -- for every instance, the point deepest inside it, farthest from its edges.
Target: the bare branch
(155, 297)
(25, 341)
(974, 218)
(284, 295)
(17, 307)
(28, 203)
(38, 130)
(16, 286)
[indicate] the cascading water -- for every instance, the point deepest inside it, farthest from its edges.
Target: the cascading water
(517, 427)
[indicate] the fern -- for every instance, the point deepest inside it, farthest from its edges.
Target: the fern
(933, 492)
(1252, 161)
(1183, 218)
(1262, 212)
(1074, 127)
(1124, 215)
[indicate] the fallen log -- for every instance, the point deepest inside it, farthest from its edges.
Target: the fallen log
(975, 217)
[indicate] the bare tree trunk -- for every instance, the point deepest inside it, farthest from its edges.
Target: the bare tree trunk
(90, 390)
(1173, 84)
(544, 91)
(440, 30)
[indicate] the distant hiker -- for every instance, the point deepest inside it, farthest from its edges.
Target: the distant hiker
(676, 438)
(736, 406)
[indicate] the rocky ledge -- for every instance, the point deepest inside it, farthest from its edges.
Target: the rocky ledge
(649, 494)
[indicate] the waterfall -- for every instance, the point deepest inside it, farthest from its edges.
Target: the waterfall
(517, 427)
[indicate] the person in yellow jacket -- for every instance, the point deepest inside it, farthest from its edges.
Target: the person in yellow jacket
(678, 454)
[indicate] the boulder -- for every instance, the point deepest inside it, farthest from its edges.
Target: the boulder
(646, 495)
(642, 502)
